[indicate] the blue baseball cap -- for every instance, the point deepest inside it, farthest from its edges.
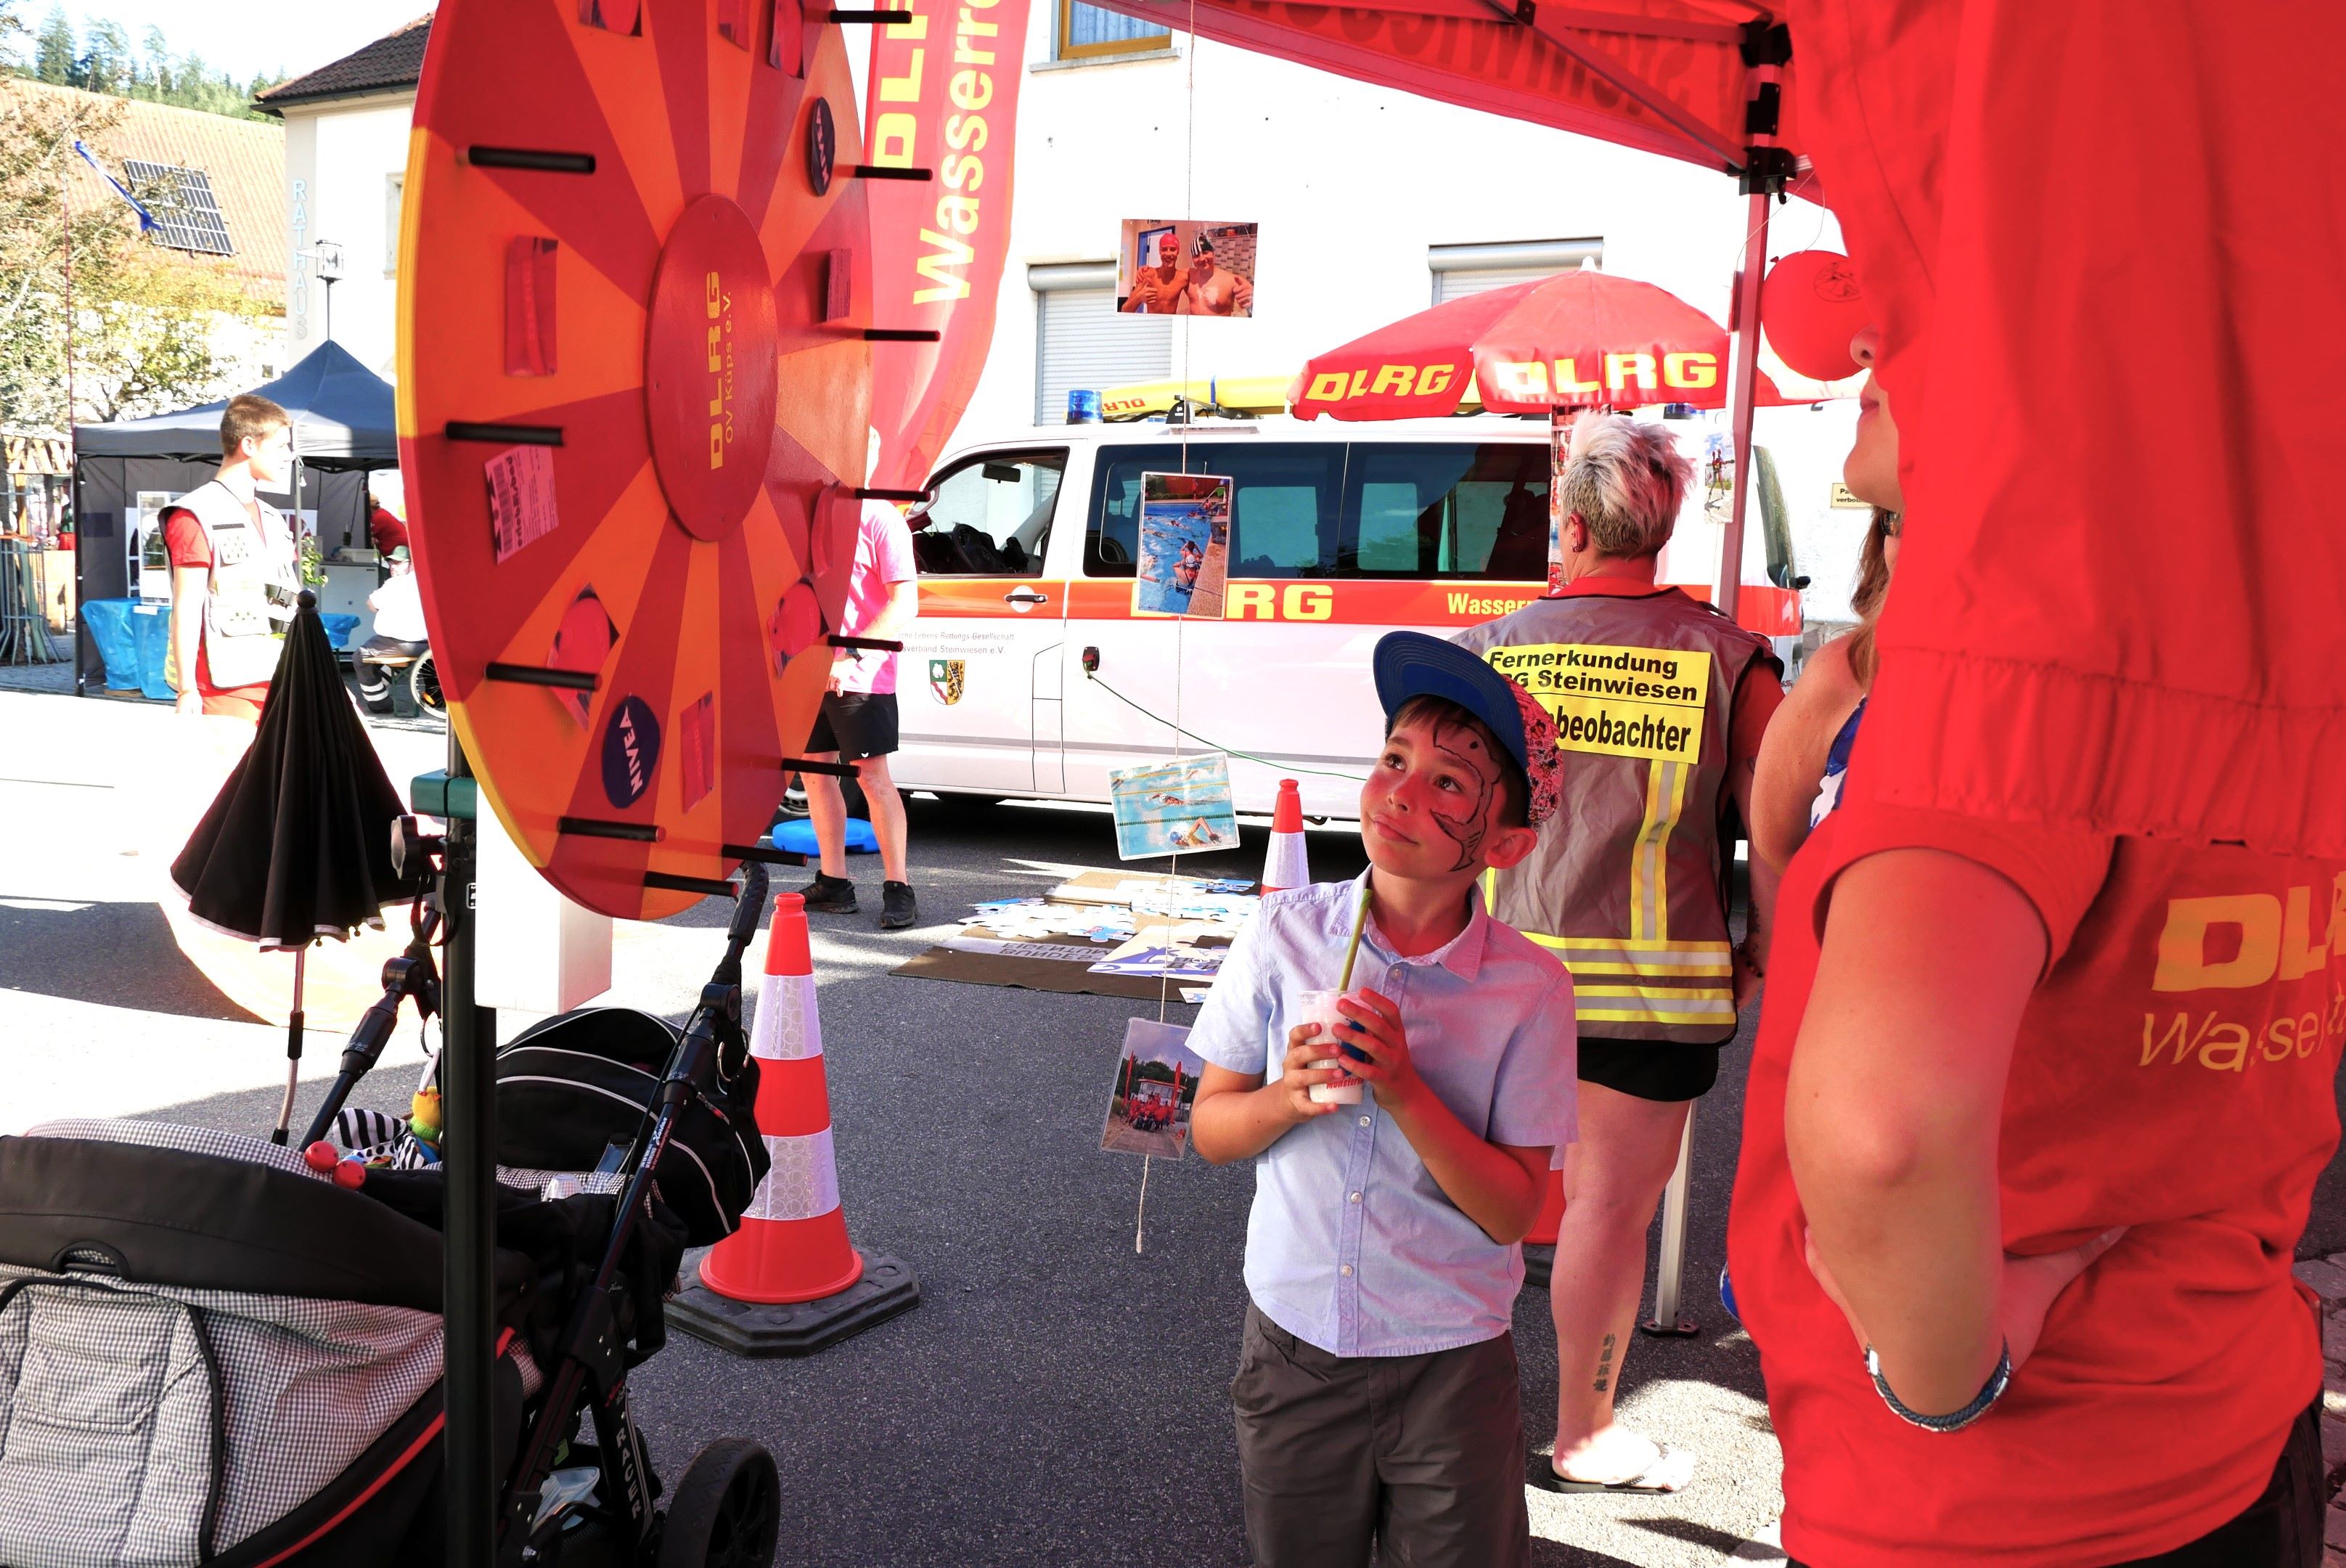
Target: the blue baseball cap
(1412, 663)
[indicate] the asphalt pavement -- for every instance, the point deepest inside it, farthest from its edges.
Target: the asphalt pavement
(1058, 1397)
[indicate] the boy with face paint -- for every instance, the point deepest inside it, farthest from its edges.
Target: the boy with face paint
(1376, 1393)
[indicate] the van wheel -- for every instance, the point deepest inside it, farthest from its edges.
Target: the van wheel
(727, 1509)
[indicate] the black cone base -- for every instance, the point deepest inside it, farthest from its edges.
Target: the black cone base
(799, 1328)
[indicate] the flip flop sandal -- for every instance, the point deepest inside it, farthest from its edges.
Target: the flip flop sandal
(1669, 1472)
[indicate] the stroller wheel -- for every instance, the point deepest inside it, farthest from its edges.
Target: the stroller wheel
(726, 1510)
(424, 685)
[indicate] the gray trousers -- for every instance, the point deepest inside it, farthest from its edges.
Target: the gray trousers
(1421, 1455)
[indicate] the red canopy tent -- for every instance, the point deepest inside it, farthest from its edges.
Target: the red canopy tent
(1702, 80)
(2129, 211)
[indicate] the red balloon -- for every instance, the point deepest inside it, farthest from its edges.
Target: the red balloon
(1810, 307)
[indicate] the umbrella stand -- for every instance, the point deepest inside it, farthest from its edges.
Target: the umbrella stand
(292, 1046)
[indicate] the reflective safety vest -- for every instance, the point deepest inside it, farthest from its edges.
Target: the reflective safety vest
(239, 641)
(1628, 883)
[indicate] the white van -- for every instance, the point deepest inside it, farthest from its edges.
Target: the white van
(1027, 672)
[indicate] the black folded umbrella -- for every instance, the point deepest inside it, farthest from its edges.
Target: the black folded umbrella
(297, 846)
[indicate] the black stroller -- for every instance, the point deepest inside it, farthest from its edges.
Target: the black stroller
(213, 1352)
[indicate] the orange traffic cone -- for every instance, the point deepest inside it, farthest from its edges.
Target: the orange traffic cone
(788, 1282)
(1286, 866)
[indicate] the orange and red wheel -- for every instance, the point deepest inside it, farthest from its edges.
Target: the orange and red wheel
(633, 386)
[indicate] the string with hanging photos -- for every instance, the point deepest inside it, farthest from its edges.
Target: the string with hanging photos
(1173, 866)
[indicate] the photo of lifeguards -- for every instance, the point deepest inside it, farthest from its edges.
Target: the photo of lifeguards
(1156, 1085)
(1185, 267)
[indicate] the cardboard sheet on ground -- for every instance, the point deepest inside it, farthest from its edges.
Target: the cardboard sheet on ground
(1054, 943)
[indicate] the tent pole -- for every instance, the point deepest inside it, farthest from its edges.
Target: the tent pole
(1741, 395)
(467, 1074)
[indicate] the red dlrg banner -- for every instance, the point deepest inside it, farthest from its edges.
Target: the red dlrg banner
(942, 96)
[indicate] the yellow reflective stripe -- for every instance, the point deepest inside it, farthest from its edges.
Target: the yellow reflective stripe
(1708, 995)
(1609, 955)
(1643, 1015)
(1649, 880)
(1641, 876)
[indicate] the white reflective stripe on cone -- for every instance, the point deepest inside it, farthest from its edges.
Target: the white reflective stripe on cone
(786, 1028)
(803, 1182)
(1286, 866)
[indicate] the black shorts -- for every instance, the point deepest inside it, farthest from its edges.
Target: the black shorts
(1650, 1069)
(856, 725)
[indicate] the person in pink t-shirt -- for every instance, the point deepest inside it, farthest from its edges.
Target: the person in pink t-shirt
(859, 721)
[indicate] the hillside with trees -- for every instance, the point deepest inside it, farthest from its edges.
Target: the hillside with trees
(102, 59)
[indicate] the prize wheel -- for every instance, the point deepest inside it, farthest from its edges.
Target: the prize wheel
(634, 387)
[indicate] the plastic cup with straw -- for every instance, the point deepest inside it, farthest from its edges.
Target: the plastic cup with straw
(1319, 1007)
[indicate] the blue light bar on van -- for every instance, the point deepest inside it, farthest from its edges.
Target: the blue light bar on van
(1083, 406)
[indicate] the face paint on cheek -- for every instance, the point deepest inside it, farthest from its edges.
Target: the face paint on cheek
(1465, 817)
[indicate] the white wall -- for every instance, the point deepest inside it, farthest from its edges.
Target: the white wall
(338, 158)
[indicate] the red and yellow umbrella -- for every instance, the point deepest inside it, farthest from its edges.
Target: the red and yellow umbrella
(1578, 339)
(634, 391)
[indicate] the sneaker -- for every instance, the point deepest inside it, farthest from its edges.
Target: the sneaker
(829, 895)
(897, 909)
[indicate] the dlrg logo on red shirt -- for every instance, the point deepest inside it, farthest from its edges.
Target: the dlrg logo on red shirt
(2267, 940)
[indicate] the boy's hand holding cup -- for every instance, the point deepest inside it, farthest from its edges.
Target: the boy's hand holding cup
(1321, 1016)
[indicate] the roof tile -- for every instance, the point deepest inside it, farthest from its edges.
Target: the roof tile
(245, 160)
(392, 61)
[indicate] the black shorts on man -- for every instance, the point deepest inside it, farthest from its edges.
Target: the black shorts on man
(856, 725)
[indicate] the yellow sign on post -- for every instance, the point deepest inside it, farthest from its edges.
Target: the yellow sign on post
(1619, 701)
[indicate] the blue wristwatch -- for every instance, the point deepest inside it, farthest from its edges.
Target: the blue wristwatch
(1953, 1421)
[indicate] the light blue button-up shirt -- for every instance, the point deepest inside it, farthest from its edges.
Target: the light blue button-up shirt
(1352, 1245)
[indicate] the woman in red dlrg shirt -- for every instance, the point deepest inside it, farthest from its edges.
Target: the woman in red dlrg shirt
(2032, 1131)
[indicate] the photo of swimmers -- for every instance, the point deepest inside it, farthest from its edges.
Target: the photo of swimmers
(1185, 267)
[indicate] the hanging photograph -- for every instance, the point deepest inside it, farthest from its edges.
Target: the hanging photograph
(1156, 1085)
(1185, 266)
(1184, 546)
(1179, 807)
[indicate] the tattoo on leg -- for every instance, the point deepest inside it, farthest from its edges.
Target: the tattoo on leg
(1604, 1366)
(1466, 825)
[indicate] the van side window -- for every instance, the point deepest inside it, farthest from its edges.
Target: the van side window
(990, 516)
(1283, 504)
(1446, 509)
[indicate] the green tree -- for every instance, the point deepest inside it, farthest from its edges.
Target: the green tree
(53, 50)
(145, 321)
(102, 60)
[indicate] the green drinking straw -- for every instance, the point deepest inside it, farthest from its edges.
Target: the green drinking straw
(1360, 924)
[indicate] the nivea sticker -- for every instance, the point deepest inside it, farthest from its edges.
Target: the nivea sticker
(631, 747)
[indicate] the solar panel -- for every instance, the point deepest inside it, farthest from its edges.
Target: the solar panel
(186, 215)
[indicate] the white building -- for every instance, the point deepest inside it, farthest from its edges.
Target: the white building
(345, 160)
(1372, 203)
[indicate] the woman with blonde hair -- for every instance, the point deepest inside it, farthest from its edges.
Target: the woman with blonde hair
(1807, 747)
